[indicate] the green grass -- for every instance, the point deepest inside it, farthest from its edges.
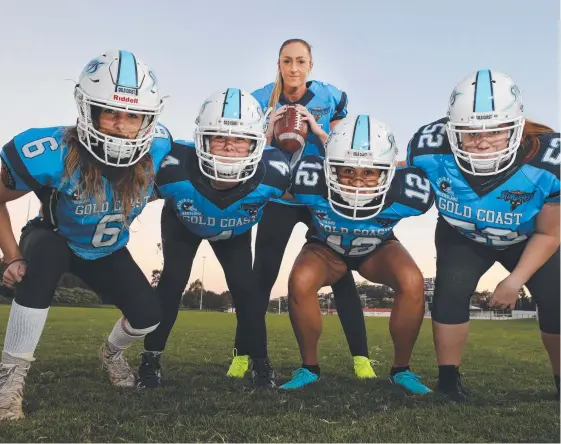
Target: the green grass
(68, 397)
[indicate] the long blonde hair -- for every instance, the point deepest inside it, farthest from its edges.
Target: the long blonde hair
(130, 185)
(279, 84)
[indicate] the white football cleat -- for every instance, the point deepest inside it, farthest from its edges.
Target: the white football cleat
(12, 381)
(120, 372)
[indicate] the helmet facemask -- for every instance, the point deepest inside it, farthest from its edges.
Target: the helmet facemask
(226, 168)
(349, 201)
(485, 163)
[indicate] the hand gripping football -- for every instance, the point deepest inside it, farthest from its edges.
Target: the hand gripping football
(291, 131)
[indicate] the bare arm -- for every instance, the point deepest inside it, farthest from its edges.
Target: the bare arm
(541, 246)
(8, 243)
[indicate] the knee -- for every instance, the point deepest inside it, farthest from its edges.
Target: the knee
(301, 285)
(149, 316)
(549, 321)
(412, 287)
(137, 331)
(450, 309)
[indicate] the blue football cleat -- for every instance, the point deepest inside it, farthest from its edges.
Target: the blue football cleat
(410, 382)
(300, 378)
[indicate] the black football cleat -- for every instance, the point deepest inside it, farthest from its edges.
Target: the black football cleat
(452, 388)
(150, 371)
(262, 374)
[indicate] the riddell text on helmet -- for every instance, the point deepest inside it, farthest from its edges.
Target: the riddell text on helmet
(125, 99)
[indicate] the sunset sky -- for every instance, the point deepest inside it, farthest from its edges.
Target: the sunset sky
(398, 61)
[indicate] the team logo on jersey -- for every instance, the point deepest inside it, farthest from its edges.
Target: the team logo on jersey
(185, 207)
(384, 222)
(318, 112)
(445, 187)
(516, 198)
(93, 66)
(250, 208)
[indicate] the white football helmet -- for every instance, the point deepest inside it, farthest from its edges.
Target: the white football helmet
(359, 141)
(117, 80)
(480, 104)
(230, 113)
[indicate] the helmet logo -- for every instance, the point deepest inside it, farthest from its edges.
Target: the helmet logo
(93, 66)
(453, 96)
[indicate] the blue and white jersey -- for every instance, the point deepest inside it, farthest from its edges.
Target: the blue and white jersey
(324, 101)
(497, 211)
(219, 214)
(35, 161)
(410, 194)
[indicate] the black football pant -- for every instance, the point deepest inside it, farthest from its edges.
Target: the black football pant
(116, 278)
(460, 264)
(179, 247)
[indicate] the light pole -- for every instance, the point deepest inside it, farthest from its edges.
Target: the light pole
(202, 283)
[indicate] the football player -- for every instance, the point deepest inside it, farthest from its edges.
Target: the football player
(92, 179)
(496, 176)
(321, 105)
(356, 197)
(216, 189)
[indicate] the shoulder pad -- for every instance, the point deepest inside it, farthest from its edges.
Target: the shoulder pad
(262, 95)
(36, 158)
(173, 166)
(548, 156)
(429, 139)
(277, 170)
(161, 145)
(411, 188)
(308, 176)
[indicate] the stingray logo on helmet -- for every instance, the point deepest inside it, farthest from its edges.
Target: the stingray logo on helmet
(453, 96)
(116, 80)
(236, 117)
(93, 66)
(516, 98)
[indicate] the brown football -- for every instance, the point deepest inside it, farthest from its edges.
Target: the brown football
(291, 131)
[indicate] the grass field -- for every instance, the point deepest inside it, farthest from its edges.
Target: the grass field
(68, 397)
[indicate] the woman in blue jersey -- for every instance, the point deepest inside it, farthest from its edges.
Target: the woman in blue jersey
(356, 198)
(216, 189)
(92, 180)
(322, 106)
(496, 176)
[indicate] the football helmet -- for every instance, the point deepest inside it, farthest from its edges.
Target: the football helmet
(359, 141)
(230, 113)
(119, 81)
(485, 102)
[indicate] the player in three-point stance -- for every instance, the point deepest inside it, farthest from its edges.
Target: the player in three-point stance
(496, 176)
(216, 189)
(356, 197)
(92, 179)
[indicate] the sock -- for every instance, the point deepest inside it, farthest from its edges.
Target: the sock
(313, 368)
(396, 370)
(25, 326)
(120, 337)
(556, 377)
(447, 372)
(155, 353)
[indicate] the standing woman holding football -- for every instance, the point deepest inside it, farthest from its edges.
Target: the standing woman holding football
(320, 106)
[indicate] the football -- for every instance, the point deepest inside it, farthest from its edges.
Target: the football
(291, 131)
